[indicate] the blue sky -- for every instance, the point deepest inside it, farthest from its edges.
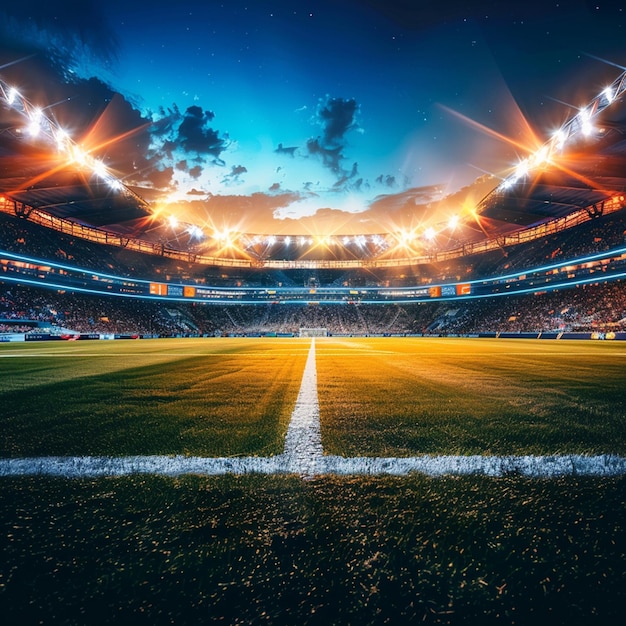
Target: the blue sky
(277, 113)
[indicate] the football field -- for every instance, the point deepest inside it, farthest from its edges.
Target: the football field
(378, 397)
(133, 524)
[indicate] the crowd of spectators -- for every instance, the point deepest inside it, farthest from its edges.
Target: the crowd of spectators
(599, 307)
(584, 308)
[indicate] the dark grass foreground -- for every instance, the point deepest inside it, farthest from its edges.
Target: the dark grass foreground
(280, 550)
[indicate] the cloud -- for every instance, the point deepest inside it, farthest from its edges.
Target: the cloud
(235, 173)
(195, 135)
(336, 116)
(196, 171)
(250, 213)
(290, 151)
(69, 36)
(387, 180)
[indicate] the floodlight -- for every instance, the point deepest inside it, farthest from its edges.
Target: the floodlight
(79, 155)
(195, 231)
(62, 139)
(522, 169)
(12, 95)
(608, 94)
(173, 220)
(586, 125)
(99, 169)
(560, 137)
(35, 122)
(542, 155)
(453, 222)
(287, 240)
(430, 233)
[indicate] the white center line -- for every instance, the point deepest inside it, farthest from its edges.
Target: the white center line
(303, 454)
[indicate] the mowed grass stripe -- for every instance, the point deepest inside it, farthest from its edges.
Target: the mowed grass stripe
(29, 365)
(238, 404)
(471, 396)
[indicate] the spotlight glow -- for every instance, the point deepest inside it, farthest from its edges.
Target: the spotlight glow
(430, 233)
(12, 95)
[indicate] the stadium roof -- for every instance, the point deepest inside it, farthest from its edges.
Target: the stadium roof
(582, 165)
(41, 167)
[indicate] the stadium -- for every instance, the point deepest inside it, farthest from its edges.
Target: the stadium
(401, 424)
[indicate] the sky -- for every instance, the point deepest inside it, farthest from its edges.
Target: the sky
(291, 116)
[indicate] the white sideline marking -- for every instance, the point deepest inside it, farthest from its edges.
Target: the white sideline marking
(531, 466)
(304, 455)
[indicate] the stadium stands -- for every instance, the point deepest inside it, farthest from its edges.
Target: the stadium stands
(586, 308)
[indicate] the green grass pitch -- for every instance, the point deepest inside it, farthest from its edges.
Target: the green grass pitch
(279, 549)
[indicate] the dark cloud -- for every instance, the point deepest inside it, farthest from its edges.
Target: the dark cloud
(195, 135)
(235, 172)
(290, 151)
(387, 180)
(160, 179)
(331, 157)
(196, 192)
(336, 116)
(275, 187)
(182, 138)
(344, 181)
(253, 212)
(65, 32)
(196, 171)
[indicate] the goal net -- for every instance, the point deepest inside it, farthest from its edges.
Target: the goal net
(313, 332)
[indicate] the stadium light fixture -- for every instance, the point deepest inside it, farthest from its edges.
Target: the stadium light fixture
(271, 240)
(12, 95)
(541, 156)
(78, 155)
(430, 234)
(35, 121)
(99, 169)
(608, 94)
(453, 222)
(62, 139)
(522, 169)
(287, 240)
(173, 220)
(559, 138)
(195, 232)
(585, 122)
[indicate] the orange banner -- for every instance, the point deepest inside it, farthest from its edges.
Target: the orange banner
(158, 289)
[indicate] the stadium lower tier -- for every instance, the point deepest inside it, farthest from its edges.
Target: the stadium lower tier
(597, 308)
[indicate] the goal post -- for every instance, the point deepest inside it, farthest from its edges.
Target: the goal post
(313, 332)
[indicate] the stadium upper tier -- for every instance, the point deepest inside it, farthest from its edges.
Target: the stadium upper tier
(31, 254)
(579, 173)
